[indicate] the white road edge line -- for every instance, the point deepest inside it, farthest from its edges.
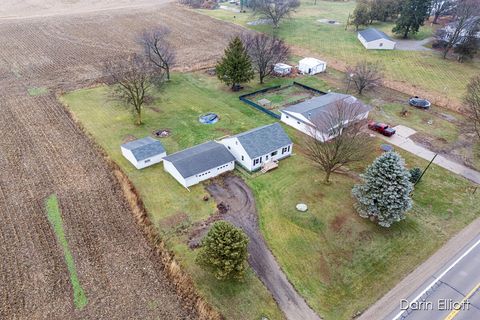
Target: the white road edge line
(439, 277)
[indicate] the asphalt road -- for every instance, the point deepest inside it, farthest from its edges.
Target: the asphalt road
(453, 292)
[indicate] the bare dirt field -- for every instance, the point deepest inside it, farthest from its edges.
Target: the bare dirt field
(43, 151)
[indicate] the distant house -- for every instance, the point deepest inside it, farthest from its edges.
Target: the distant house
(257, 147)
(372, 38)
(143, 152)
(471, 28)
(199, 163)
(282, 69)
(311, 66)
(303, 116)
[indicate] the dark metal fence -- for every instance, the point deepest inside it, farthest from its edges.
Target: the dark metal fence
(245, 97)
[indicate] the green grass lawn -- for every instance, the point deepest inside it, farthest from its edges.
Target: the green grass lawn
(339, 262)
(425, 70)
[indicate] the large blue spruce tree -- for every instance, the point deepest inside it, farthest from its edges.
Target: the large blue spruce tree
(385, 194)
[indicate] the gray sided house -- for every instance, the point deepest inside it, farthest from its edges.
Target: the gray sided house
(143, 152)
(254, 148)
(372, 38)
(199, 163)
(314, 116)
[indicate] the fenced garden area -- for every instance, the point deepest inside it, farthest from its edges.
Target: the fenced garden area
(270, 100)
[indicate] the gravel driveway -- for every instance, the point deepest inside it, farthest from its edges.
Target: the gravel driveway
(412, 45)
(235, 194)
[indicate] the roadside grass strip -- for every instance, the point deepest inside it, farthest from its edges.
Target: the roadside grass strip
(55, 219)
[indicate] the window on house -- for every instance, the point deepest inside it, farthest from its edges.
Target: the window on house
(274, 153)
(243, 158)
(298, 122)
(147, 161)
(381, 44)
(266, 157)
(285, 149)
(229, 148)
(256, 161)
(287, 117)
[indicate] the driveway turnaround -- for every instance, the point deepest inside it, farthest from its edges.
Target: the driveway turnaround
(242, 212)
(401, 139)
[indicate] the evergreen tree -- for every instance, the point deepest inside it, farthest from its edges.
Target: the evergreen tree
(235, 66)
(385, 193)
(361, 14)
(224, 251)
(413, 15)
(415, 174)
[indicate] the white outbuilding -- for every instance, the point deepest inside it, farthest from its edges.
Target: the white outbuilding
(256, 148)
(143, 152)
(372, 38)
(311, 66)
(282, 69)
(199, 163)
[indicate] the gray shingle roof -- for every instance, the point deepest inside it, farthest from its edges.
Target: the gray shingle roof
(372, 34)
(319, 107)
(144, 148)
(200, 158)
(263, 140)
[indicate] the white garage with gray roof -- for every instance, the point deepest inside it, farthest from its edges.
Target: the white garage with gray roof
(255, 148)
(199, 163)
(143, 152)
(372, 38)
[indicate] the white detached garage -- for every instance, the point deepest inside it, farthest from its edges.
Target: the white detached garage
(143, 152)
(199, 163)
(372, 38)
(311, 66)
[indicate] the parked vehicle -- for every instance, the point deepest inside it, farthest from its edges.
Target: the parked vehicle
(419, 103)
(381, 128)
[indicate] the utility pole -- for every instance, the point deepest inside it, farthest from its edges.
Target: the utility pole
(428, 166)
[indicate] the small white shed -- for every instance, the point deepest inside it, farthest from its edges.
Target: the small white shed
(372, 38)
(282, 69)
(311, 66)
(143, 152)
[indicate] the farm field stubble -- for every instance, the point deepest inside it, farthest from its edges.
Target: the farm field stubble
(43, 152)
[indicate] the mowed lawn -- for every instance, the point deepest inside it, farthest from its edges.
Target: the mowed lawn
(425, 70)
(339, 262)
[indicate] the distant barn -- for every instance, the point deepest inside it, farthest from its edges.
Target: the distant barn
(374, 39)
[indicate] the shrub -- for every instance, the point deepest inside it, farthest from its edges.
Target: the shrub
(415, 174)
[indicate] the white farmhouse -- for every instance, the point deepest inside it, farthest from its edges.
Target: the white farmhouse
(143, 152)
(302, 116)
(199, 163)
(255, 148)
(372, 38)
(311, 66)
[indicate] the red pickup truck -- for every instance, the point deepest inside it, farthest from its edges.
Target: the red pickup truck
(382, 128)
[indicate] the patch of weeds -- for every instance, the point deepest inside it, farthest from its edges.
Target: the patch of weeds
(37, 91)
(55, 218)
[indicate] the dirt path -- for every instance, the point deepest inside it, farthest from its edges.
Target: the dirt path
(233, 192)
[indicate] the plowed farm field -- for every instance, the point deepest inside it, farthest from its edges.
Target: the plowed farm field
(44, 152)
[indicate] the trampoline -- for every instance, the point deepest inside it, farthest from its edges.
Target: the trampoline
(208, 118)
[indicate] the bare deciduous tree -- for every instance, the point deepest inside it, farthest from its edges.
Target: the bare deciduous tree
(472, 99)
(364, 76)
(441, 7)
(348, 144)
(133, 79)
(157, 48)
(265, 52)
(274, 10)
(467, 18)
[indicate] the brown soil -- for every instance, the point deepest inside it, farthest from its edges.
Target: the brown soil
(43, 151)
(237, 196)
